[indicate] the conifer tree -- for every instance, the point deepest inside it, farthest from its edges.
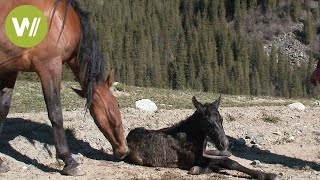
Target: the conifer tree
(310, 69)
(295, 9)
(306, 4)
(281, 80)
(296, 85)
(273, 65)
(207, 77)
(255, 83)
(308, 28)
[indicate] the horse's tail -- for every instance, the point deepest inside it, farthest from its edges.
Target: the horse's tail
(90, 59)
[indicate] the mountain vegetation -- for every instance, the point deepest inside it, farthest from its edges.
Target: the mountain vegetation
(210, 45)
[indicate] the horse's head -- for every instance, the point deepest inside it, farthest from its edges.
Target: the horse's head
(106, 114)
(211, 122)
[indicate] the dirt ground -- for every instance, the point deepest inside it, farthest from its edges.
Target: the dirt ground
(289, 147)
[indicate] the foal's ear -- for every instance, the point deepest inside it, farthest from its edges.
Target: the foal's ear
(79, 92)
(216, 103)
(110, 79)
(196, 103)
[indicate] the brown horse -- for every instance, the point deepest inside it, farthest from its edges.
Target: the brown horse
(315, 76)
(70, 40)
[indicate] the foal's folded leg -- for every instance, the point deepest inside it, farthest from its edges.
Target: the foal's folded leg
(233, 165)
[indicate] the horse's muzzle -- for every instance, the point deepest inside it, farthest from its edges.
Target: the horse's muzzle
(121, 154)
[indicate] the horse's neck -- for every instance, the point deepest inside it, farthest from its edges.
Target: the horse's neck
(190, 126)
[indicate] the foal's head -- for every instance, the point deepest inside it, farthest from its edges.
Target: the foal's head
(106, 114)
(211, 122)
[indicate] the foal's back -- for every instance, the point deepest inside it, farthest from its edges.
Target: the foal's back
(157, 149)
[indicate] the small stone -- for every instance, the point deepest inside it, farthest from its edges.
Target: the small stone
(291, 139)
(253, 141)
(259, 139)
(78, 157)
(247, 137)
(256, 163)
(277, 133)
(24, 167)
(257, 146)
(60, 161)
(316, 172)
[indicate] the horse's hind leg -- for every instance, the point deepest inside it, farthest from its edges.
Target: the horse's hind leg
(6, 90)
(50, 75)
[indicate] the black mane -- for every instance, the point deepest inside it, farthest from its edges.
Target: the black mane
(89, 57)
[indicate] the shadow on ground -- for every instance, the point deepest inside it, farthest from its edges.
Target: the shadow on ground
(267, 157)
(41, 132)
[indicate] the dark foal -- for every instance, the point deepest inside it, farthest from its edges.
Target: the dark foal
(182, 145)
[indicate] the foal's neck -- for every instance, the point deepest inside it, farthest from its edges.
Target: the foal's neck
(191, 126)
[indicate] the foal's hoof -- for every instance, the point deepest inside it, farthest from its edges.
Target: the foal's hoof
(73, 171)
(4, 168)
(195, 170)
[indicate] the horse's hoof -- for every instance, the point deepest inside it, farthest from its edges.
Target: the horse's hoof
(73, 171)
(4, 168)
(195, 170)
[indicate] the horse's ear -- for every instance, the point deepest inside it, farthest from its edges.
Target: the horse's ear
(110, 79)
(196, 103)
(216, 103)
(79, 92)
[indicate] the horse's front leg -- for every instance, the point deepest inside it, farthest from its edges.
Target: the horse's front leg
(50, 76)
(233, 165)
(6, 90)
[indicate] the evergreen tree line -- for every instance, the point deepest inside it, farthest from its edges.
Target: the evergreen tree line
(197, 44)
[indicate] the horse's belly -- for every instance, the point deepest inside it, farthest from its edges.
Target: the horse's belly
(12, 64)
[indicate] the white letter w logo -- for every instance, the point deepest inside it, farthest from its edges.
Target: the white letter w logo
(25, 25)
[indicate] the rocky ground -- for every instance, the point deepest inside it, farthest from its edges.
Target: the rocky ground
(283, 141)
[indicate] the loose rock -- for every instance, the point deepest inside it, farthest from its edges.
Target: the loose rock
(297, 106)
(146, 105)
(291, 139)
(256, 163)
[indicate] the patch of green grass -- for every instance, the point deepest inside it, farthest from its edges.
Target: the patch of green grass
(28, 97)
(57, 164)
(270, 119)
(120, 87)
